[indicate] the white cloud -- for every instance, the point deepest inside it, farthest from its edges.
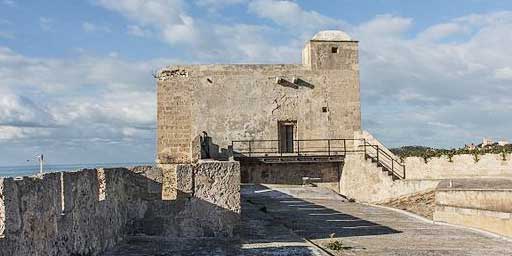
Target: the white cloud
(209, 42)
(440, 31)
(46, 23)
(168, 16)
(91, 27)
(9, 3)
(503, 73)
(6, 35)
(64, 102)
(16, 110)
(457, 84)
(139, 31)
(290, 14)
(213, 5)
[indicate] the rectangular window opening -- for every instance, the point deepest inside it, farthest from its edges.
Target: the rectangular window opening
(334, 49)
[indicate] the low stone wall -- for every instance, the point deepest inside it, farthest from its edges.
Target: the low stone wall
(292, 173)
(363, 181)
(86, 212)
(484, 204)
(461, 166)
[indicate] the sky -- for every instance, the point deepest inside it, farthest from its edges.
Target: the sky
(76, 76)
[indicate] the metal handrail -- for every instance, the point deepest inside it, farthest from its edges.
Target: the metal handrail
(332, 148)
(387, 165)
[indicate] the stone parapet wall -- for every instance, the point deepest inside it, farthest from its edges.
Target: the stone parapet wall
(461, 166)
(363, 181)
(62, 214)
(87, 212)
(481, 203)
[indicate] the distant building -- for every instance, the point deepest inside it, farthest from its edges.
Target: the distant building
(503, 142)
(487, 142)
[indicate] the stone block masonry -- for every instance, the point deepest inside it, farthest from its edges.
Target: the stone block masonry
(87, 212)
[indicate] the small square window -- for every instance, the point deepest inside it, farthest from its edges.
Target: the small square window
(324, 109)
(334, 50)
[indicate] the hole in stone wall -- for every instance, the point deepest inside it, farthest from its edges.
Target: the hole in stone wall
(209, 80)
(324, 109)
(334, 49)
(102, 185)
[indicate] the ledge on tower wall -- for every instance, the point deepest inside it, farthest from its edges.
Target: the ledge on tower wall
(478, 203)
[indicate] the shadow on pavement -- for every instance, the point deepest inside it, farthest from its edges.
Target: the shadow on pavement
(308, 219)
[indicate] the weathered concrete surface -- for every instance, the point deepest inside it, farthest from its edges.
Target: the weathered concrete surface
(241, 102)
(367, 230)
(292, 173)
(484, 204)
(461, 167)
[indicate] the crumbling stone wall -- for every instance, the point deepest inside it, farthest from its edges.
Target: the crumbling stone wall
(61, 214)
(86, 212)
(207, 203)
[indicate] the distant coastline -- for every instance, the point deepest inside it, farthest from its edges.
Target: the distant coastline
(28, 170)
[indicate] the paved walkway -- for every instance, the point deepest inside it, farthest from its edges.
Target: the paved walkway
(276, 219)
(317, 214)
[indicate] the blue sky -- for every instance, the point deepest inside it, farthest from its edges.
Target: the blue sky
(76, 84)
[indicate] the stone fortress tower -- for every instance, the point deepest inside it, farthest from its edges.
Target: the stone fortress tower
(318, 99)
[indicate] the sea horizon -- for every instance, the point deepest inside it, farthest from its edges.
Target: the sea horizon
(31, 169)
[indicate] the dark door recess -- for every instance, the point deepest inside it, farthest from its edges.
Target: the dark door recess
(286, 130)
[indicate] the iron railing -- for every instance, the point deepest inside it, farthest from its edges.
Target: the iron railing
(318, 147)
(311, 147)
(384, 159)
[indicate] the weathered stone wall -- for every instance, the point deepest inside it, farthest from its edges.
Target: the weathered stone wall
(207, 203)
(86, 212)
(292, 174)
(363, 181)
(174, 114)
(480, 203)
(462, 166)
(243, 102)
(62, 214)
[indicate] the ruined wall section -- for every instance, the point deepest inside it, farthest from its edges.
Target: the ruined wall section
(174, 114)
(87, 212)
(64, 213)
